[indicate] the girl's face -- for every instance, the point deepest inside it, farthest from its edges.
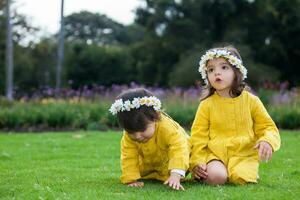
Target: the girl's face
(143, 136)
(220, 75)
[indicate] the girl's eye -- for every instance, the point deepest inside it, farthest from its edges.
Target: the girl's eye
(224, 67)
(210, 70)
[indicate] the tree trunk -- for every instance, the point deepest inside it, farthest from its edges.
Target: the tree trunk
(60, 52)
(9, 53)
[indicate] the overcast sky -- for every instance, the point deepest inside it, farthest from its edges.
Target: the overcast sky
(46, 13)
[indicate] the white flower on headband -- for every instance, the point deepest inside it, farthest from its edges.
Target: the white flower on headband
(117, 106)
(136, 103)
(120, 106)
(127, 105)
(217, 53)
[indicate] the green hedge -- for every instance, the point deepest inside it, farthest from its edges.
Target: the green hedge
(286, 117)
(95, 116)
(183, 114)
(37, 116)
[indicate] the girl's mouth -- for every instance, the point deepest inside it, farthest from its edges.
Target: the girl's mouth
(144, 140)
(218, 80)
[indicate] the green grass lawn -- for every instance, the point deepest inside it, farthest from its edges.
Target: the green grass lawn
(85, 165)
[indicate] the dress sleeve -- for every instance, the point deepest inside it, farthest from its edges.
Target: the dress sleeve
(129, 160)
(264, 127)
(200, 135)
(178, 152)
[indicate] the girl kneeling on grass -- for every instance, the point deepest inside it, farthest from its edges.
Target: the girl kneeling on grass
(231, 130)
(153, 145)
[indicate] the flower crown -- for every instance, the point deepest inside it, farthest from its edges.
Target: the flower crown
(217, 53)
(120, 106)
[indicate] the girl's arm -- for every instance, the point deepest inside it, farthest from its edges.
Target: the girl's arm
(264, 126)
(179, 150)
(178, 153)
(199, 135)
(129, 161)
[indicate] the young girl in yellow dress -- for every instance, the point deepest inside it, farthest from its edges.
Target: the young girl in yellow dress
(153, 146)
(232, 130)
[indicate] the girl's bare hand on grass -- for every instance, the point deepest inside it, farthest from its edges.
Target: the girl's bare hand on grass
(136, 184)
(174, 181)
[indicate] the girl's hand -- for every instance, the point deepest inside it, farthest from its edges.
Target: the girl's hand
(265, 151)
(200, 171)
(136, 184)
(174, 181)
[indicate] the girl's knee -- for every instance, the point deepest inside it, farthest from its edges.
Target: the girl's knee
(216, 178)
(217, 173)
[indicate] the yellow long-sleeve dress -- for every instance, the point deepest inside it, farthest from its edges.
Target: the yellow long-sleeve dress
(227, 129)
(168, 149)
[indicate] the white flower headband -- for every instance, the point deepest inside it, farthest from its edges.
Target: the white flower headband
(217, 53)
(120, 106)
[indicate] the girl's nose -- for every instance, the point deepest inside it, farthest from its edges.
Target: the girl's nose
(217, 72)
(138, 137)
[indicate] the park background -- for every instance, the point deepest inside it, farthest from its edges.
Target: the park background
(61, 119)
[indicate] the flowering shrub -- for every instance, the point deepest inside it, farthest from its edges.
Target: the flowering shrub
(88, 108)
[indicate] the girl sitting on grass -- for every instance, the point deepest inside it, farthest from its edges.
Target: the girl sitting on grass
(232, 130)
(153, 145)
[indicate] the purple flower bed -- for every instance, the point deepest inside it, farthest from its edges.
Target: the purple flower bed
(87, 107)
(98, 91)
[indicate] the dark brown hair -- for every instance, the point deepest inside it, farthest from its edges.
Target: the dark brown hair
(136, 119)
(238, 84)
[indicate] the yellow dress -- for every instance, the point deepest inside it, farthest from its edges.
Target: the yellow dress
(168, 149)
(227, 129)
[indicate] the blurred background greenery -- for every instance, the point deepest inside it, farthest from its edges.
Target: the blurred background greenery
(163, 46)
(160, 50)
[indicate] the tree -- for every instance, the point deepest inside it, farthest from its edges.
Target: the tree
(9, 52)
(60, 50)
(21, 30)
(2, 46)
(93, 64)
(185, 26)
(97, 49)
(93, 28)
(274, 36)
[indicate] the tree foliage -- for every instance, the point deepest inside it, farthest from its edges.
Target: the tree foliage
(268, 28)
(21, 29)
(93, 28)
(92, 64)
(163, 46)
